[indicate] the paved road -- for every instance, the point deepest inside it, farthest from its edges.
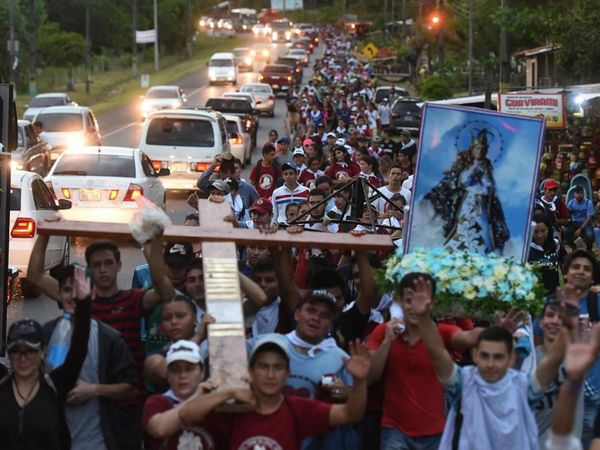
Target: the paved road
(122, 127)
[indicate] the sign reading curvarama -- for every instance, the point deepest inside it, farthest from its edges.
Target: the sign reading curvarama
(546, 106)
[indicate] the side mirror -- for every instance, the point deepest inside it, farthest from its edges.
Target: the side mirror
(164, 172)
(64, 204)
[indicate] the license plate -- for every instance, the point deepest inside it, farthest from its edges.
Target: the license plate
(90, 195)
(275, 77)
(181, 167)
(275, 86)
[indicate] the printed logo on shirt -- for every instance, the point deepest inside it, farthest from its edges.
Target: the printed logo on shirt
(195, 439)
(260, 443)
(341, 174)
(266, 181)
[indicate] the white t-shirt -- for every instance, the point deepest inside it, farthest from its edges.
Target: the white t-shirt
(381, 204)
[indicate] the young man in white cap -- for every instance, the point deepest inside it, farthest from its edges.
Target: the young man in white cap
(278, 421)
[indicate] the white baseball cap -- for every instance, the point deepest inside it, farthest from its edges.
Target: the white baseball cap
(183, 350)
(298, 151)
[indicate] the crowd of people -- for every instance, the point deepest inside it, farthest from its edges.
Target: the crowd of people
(333, 363)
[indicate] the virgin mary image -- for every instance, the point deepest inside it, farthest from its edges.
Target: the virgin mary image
(467, 202)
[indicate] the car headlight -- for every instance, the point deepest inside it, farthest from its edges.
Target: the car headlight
(274, 35)
(247, 60)
(288, 35)
(244, 27)
(145, 105)
(252, 53)
(176, 104)
(202, 23)
(265, 53)
(76, 141)
(16, 165)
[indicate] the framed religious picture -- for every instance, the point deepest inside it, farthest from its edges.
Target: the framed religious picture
(475, 181)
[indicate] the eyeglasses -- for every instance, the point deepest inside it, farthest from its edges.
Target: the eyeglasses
(18, 354)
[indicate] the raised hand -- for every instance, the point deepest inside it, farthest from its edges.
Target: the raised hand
(82, 285)
(569, 294)
(581, 351)
(359, 362)
(512, 321)
(421, 297)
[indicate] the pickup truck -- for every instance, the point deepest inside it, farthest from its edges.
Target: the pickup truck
(279, 76)
(238, 107)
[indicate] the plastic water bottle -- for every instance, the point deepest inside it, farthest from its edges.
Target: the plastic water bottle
(60, 342)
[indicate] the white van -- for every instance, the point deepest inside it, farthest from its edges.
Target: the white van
(185, 141)
(222, 68)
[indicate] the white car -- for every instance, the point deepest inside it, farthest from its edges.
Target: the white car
(185, 141)
(42, 101)
(239, 141)
(68, 126)
(31, 203)
(299, 54)
(162, 97)
(103, 183)
(264, 96)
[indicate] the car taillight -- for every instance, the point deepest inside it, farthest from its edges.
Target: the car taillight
(134, 192)
(51, 189)
(113, 194)
(289, 78)
(237, 140)
(24, 227)
(157, 165)
(271, 97)
(66, 193)
(202, 166)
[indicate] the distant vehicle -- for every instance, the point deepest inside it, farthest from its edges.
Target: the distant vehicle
(42, 101)
(305, 28)
(104, 182)
(244, 59)
(261, 31)
(244, 95)
(264, 96)
(261, 54)
(185, 141)
(304, 43)
(239, 140)
(405, 114)
(162, 97)
(31, 203)
(281, 31)
(222, 68)
(243, 19)
(68, 126)
(389, 92)
(279, 76)
(32, 154)
(240, 107)
(295, 64)
(300, 55)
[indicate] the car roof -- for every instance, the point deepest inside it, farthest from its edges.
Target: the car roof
(23, 122)
(233, 118)
(164, 86)
(257, 85)
(17, 177)
(102, 150)
(241, 49)
(64, 109)
(189, 111)
(52, 94)
(223, 55)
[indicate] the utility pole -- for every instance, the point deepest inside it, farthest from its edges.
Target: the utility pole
(134, 57)
(442, 33)
(404, 27)
(12, 45)
(504, 56)
(156, 64)
(88, 46)
(470, 63)
(32, 49)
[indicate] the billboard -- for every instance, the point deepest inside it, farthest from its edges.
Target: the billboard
(475, 181)
(287, 5)
(550, 107)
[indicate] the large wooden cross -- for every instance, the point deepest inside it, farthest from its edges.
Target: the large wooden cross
(226, 337)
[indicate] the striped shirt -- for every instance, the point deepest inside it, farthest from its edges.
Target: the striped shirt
(123, 312)
(284, 195)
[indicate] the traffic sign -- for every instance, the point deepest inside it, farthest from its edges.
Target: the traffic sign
(370, 50)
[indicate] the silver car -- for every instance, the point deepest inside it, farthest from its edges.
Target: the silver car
(264, 96)
(42, 101)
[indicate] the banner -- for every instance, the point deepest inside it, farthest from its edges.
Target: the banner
(550, 107)
(475, 181)
(287, 5)
(145, 37)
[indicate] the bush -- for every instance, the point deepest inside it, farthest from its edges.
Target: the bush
(60, 48)
(435, 87)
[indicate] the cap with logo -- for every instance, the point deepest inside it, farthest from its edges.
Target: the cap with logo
(320, 295)
(25, 332)
(178, 253)
(288, 165)
(184, 350)
(262, 206)
(298, 151)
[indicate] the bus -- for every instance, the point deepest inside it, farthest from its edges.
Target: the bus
(243, 19)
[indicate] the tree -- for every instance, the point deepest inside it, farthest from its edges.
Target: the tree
(60, 48)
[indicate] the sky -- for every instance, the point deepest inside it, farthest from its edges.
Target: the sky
(513, 150)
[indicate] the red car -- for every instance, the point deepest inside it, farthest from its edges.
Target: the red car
(279, 76)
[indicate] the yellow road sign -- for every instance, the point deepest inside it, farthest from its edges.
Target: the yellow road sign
(370, 50)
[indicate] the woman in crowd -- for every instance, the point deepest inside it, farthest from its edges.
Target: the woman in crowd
(546, 252)
(33, 401)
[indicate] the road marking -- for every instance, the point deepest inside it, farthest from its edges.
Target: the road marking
(118, 130)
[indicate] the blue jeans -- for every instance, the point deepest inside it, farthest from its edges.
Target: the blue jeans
(587, 234)
(590, 409)
(394, 439)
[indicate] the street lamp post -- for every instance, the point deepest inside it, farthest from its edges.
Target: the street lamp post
(156, 63)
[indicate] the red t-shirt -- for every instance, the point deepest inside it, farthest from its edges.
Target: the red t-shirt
(307, 178)
(296, 419)
(124, 313)
(339, 171)
(265, 181)
(414, 397)
(191, 437)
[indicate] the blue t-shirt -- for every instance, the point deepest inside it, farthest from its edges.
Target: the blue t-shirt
(580, 210)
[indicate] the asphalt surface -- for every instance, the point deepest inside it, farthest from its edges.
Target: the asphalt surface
(122, 126)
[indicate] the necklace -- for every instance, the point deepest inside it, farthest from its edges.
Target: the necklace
(25, 399)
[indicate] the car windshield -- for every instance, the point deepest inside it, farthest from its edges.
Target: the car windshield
(15, 199)
(96, 165)
(277, 69)
(43, 102)
(161, 93)
(404, 107)
(229, 105)
(280, 25)
(180, 132)
(220, 63)
(261, 89)
(61, 121)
